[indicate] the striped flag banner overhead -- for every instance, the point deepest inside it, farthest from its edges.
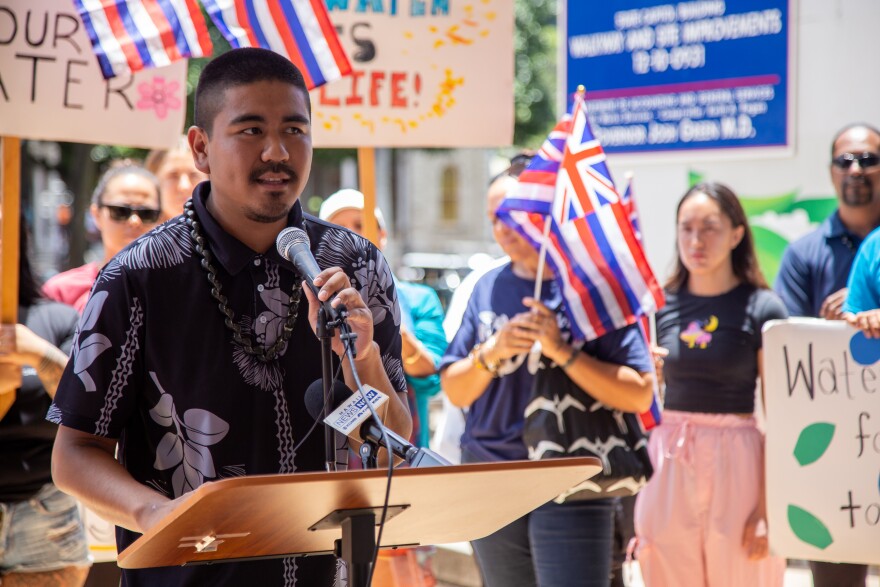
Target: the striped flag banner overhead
(298, 29)
(597, 259)
(131, 35)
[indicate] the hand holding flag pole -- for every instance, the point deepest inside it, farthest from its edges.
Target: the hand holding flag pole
(592, 246)
(537, 349)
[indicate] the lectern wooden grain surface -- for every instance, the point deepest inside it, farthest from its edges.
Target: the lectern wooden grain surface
(270, 515)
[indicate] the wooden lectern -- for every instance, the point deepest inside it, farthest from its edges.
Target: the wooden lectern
(308, 513)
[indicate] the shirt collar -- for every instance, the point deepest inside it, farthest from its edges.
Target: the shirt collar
(230, 252)
(833, 227)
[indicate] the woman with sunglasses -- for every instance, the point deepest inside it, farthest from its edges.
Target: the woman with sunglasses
(701, 518)
(125, 205)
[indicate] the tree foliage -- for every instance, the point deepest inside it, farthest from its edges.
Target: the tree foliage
(535, 73)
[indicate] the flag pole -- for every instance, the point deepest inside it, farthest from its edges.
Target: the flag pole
(10, 208)
(542, 257)
(537, 349)
(535, 352)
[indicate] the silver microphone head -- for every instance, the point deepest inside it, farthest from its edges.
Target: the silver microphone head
(288, 237)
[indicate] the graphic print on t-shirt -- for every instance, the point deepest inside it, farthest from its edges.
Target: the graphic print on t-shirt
(699, 332)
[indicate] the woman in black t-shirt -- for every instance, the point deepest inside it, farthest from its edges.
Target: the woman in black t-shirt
(701, 519)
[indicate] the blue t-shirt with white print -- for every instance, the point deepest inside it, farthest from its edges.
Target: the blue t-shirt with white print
(494, 424)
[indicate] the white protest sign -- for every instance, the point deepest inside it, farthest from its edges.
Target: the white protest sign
(51, 86)
(822, 389)
(426, 73)
(100, 535)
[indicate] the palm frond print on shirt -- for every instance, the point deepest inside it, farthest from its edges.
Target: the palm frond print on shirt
(165, 246)
(185, 447)
(372, 275)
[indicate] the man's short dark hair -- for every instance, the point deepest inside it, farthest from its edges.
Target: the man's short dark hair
(848, 128)
(240, 67)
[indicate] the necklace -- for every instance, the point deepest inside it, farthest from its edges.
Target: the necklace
(263, 354)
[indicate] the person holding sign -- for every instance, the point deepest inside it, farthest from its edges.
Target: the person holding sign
(42, 539)
(197, 344)
(813, 275)
(701, 518)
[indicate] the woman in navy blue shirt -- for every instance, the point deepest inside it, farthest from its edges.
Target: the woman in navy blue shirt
(485, 369)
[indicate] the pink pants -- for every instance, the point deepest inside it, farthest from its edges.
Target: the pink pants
(689, 518)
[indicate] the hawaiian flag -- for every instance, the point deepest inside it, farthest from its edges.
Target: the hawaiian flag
(629, 206)
(298, 29)
(130, 35)
(652, 417)
(597, 259)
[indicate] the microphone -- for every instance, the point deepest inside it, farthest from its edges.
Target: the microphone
(352, 417)
(293, 245)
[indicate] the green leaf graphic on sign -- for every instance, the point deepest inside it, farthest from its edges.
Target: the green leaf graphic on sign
(813, 442)
(808, 527)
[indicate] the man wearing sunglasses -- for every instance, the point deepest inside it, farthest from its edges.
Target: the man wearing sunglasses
(812, 279)
(125, 205)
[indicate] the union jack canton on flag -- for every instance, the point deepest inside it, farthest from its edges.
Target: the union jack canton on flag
(597, 258)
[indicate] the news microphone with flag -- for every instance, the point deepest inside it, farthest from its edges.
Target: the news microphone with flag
(359, 424)
(293, 245)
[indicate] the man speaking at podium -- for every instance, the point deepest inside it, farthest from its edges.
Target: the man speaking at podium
(196, 346)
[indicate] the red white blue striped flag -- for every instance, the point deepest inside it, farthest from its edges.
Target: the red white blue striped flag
(599, 263)
(130, 35)
(629, 206)
(652, 417)
(298, 29)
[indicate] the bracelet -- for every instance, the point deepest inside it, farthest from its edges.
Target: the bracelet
(476, 356)
(571, 358)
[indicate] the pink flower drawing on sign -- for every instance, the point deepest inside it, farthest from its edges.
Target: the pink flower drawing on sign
(159, 95)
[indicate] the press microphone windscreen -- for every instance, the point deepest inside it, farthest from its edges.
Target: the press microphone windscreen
(314, 397)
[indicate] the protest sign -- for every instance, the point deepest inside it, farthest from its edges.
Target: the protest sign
(822, 385)
(427, 73)
(51, 87)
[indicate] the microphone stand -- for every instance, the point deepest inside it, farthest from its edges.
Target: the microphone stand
(325, 334)
(358, 542)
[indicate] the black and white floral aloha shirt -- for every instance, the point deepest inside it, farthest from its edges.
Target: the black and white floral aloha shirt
(154, 366)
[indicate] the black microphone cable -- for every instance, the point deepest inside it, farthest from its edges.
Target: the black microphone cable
(350, 354)
(323, 409)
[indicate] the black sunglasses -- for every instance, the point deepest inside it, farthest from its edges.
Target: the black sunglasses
(865, 160)
(123, 213)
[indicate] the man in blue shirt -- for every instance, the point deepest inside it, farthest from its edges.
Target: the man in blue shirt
(812, 279)
(813, 274)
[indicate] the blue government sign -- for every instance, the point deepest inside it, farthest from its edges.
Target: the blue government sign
(668, 76)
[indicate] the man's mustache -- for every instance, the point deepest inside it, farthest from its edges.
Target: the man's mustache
(273, 168)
